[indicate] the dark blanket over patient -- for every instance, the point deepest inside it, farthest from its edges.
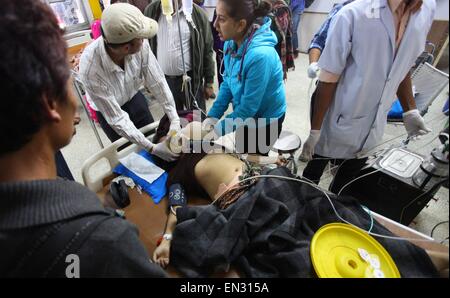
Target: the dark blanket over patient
(268, 231)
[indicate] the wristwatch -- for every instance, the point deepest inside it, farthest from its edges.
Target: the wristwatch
(167, 237)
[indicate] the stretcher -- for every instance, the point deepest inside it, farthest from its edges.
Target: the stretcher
(150, 218)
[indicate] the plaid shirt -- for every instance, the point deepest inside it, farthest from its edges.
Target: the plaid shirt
(282, 23)
(319, 39)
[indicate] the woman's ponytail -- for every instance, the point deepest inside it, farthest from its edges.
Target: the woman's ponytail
(249, 10)
(262, 8)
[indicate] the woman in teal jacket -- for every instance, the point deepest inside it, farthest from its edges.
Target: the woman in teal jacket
(253, 73)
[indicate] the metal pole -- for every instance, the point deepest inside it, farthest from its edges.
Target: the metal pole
(80, 96)
(188, 85)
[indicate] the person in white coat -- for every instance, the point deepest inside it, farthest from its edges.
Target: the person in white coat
(369, 52)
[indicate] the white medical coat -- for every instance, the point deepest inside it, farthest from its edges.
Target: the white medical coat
(361, 48)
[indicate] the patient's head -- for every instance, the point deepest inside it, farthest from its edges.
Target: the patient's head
(191, 132)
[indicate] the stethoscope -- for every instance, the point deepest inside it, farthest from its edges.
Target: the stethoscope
(221, 71)
(234, 55)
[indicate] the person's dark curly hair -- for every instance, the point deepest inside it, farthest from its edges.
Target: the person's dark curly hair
(33, 66)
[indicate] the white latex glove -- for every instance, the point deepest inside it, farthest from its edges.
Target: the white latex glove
(313, 69)
(310, 144)
(163, 151)
(414, 124)
(175, 127)
(209, 123)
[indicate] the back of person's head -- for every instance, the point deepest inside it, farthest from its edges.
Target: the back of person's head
(34, 69)
(249, 10)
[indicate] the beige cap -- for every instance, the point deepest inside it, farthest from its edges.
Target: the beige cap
(123, 22)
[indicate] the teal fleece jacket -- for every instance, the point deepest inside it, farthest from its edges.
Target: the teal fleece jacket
(252, 81)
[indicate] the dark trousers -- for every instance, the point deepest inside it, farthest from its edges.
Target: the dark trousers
(137, 109)
(248, 138)
(311, 109)
(176, 85)
(347, 171)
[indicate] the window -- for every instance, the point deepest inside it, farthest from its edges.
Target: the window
(71, 14)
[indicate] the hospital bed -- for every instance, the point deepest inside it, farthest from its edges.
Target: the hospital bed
(150, 218)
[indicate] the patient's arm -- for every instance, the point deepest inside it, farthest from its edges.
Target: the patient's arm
(215, 173)
(161, 254)
(214, 169)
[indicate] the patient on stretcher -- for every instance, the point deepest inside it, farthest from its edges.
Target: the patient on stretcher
(212, 175)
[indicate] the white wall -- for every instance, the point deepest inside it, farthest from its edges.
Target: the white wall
(210, 3)
(322, 6)
(309, 25)
(315, 15)
(312, 19)
(441, 10)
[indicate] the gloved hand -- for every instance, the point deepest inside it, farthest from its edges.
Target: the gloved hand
(178, 143)
(313, 69)
(414, 124)
(310, 144)
(175, 127)
(209, 123)
(163, 151)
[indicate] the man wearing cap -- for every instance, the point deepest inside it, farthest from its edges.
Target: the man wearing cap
(115, 67)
